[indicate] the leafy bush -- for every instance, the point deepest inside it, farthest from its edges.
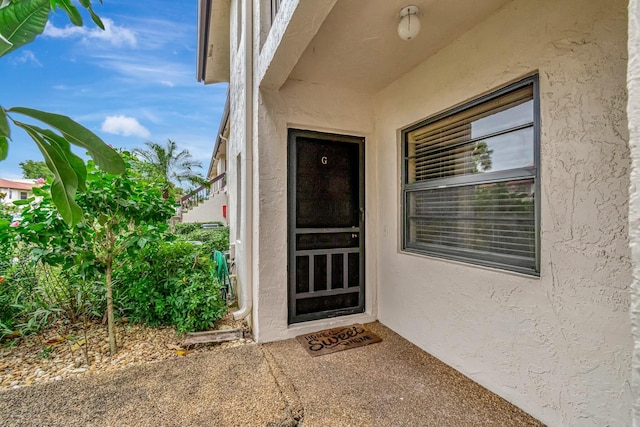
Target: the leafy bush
(64, 272)
(214, 239)
(188, 227)
(9, 309)
(171, 284)
(25, 304)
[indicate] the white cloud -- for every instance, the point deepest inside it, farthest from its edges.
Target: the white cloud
(69, 31)
(24, 57)
(113, 34)
(146, 68)
(123, 125)
(156, 33)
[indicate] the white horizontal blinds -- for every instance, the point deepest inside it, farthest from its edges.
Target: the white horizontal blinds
(470, 183)
(481, 220)
(465, 142)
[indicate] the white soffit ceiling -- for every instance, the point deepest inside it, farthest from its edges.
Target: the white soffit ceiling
(358, 44)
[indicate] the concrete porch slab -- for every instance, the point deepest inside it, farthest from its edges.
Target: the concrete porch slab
(390, 383)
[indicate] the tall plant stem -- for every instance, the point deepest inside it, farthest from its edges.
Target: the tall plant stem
(84, 329)
(110, 319)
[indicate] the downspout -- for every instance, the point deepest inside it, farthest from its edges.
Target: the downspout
(246, 300)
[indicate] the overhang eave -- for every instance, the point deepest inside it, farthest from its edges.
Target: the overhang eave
(213, 54)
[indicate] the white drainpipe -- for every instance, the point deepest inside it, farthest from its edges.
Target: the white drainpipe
(246, 300)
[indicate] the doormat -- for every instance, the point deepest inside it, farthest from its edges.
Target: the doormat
(337, 339)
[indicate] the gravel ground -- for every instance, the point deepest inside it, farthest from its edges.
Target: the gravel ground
(390, 383)
(59, 352)
(215, 388)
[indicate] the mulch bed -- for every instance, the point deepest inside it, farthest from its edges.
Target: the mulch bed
(64, 351)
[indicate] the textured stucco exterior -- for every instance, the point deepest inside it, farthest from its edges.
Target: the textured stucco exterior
(303, 106)
(237, 157)
(259, 118)
(633, 113)
(209, 210)
(558, 346)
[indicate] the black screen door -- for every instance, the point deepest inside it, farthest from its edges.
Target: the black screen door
(326, 228)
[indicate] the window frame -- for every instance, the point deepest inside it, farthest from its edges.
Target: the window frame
(457, 254)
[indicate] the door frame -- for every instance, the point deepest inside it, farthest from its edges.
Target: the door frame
(293, 134)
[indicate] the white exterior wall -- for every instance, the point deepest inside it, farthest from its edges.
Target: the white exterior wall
(303, 106)
(633, 113)
(559, 346)
(236, 145)
(209, 210)
(275, 110)
(221, 167)
(12, 195)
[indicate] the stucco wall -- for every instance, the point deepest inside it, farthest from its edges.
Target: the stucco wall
(11, 195)
(558, 346)
(208, 211)
(236, 141)
(303, 106)
(633, 113)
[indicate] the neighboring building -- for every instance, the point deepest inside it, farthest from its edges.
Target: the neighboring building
(16, 189)
(209, 203)
(468, 188)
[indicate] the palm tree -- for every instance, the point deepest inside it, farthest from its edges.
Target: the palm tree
(169, 165)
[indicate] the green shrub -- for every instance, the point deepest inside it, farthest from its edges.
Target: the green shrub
(214, 239)
(26, 303)
(9, 310)
(171, 284)
(187, 227)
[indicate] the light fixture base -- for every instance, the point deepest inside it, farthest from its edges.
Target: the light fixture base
(409, 25)
(409, 10)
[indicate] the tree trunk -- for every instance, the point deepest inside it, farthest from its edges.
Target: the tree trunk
(110, 319)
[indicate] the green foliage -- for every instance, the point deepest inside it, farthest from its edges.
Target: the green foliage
(122, 213)
(9, 300)
(25, 305)
(68, 169)
(188, 227)
(62, 272)
(169, 165)
(33, 169)
(172, 283)
(183, 228)
(213, 239)
(20, 22)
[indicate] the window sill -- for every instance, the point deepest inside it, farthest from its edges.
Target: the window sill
(528, 274)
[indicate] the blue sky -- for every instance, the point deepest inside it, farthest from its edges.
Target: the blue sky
(132, 83)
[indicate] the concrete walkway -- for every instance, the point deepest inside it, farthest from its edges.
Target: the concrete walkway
(391, 383)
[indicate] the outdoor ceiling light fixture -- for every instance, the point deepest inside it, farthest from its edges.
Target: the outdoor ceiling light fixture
(409, 25)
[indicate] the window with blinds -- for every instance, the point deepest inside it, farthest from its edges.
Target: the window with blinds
(470, 187)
